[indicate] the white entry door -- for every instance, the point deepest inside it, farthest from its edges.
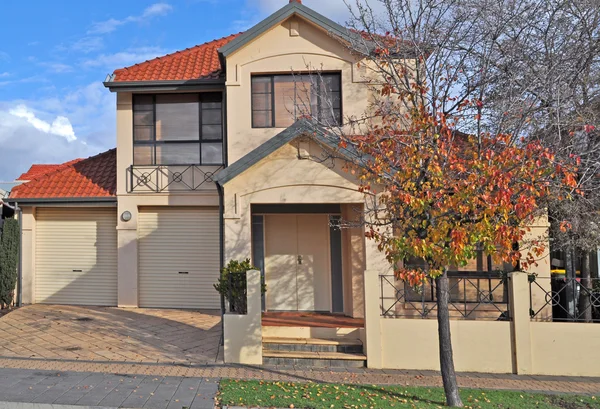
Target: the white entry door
(297, 262)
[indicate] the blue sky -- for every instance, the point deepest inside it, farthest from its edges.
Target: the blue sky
(54, 56)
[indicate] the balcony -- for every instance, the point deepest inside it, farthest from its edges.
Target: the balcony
(172, 178)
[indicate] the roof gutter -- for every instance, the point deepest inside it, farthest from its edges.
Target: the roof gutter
(171, 85)
(62, 200)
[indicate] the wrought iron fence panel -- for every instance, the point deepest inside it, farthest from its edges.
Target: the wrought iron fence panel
(171, 178)
(564, 299)
(473, 295)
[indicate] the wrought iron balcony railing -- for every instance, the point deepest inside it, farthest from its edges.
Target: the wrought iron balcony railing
(171, 178)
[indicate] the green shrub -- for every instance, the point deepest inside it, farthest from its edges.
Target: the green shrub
(9, 258)
(232, 285)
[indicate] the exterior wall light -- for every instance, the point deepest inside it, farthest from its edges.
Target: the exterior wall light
(126, 216)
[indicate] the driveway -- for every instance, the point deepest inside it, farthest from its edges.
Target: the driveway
(111, 334)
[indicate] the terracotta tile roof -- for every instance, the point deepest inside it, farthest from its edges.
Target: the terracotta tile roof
(91, 177)
(199, 62)
(39, 170)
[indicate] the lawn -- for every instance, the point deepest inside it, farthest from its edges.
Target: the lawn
(327, 396)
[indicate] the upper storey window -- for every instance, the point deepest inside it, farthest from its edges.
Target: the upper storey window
(279, 100)
(178, 129)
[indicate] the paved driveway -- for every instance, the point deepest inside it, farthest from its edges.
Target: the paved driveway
(111, 334)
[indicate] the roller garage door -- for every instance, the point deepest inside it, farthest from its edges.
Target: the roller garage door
(178, 257)
(76, 256)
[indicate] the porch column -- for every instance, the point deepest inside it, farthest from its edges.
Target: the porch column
(373, 347)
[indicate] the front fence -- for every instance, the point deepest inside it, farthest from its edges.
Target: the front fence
(564, 299)
(473, 295)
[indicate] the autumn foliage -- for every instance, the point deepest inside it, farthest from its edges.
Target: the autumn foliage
(447, 194)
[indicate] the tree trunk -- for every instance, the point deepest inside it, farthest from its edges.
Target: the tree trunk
(442, 290)
(585, 306)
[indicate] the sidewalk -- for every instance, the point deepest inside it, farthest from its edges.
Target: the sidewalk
(356, 376)
(63, 389)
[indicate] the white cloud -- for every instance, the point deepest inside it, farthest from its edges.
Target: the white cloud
(57, 67)
(4, 56)
(88, 44)
(110, 25)
(24, 144)
(60, 126)
(4, 74)
(124, 58)
(91, 115)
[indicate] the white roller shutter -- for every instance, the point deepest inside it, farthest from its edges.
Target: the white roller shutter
(76, 256)
(178, 257)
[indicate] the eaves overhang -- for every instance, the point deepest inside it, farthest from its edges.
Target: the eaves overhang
(165, 86)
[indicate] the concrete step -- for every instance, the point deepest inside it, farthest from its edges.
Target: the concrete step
(343, 345)
(314, 359)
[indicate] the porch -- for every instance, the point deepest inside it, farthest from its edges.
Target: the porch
(312, 339)
(310, 319)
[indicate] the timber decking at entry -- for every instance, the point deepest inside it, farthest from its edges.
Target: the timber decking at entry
(310, 319)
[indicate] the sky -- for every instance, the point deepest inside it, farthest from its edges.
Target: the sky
(54, 56)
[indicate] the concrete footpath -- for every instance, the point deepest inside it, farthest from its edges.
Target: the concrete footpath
(53, 390)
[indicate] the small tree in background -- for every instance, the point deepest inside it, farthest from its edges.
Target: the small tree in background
(9, 259)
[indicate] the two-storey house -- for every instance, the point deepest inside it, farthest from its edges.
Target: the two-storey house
(212, 164)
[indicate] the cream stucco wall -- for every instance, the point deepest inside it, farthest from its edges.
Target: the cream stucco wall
(283, 50)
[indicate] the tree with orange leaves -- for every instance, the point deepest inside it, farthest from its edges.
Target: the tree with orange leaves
(445, 195)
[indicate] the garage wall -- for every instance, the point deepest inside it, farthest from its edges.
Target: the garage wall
(178, 257)
(76, 256)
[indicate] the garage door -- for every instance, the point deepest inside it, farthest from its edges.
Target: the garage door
(178, 257)
(76, 256)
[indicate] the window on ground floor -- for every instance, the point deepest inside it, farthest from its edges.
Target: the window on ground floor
(178, 129)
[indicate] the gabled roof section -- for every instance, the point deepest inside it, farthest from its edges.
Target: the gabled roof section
(90, 178)
(303, 127)
(294, 7)
(200, 62)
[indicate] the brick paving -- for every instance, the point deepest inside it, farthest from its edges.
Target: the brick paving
(111, 334)
(184, 344)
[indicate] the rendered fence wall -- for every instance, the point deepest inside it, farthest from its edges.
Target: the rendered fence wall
(565, 348)
(479, 346)
(523, 345)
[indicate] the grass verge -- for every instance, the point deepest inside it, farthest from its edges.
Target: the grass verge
(334, 396)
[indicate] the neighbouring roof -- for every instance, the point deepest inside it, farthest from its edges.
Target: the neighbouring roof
(199, 62)
(303, 127)
(94, 177)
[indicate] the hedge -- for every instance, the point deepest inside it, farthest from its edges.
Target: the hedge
(9, 258)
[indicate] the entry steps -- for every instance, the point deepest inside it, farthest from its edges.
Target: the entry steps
(314, 352)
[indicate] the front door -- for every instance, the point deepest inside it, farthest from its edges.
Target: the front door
(297, 262)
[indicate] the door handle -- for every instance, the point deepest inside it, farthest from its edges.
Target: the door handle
(299, 259)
